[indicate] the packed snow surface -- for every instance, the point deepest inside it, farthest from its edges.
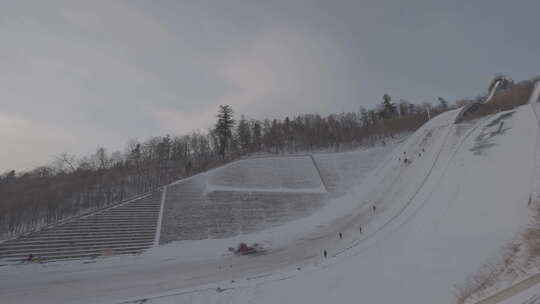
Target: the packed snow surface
(192, 214)
(342, 171)
(292, 173)
(430, 214)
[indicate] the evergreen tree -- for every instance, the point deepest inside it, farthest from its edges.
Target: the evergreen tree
(257, 136)
(276, 136)
(443, 103)
(287, 132)
(364, 117)
(164, 149)
(389, 109)
(223, 129)
(243, 135)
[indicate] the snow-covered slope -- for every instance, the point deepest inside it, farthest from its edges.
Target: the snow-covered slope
(342, 171)
(276, 174)
(440, 218)
(426, 224)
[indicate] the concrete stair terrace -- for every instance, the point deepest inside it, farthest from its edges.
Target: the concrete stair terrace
(127, 228)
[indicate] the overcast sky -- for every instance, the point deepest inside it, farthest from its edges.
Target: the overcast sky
(75, 75)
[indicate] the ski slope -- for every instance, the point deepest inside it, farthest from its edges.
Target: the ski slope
(441, 218)
(437, 218)
(342, 171)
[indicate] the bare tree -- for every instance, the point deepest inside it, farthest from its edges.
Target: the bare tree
(66, 160)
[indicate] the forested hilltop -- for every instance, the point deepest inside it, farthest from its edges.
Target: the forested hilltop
(73, 185)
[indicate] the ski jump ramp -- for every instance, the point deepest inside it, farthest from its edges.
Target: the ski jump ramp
(437, 220)
(440, 218)
(496, 84)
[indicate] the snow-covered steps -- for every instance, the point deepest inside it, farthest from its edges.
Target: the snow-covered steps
(191, 213)
(297, 174)
(251, 195)
(125, 229)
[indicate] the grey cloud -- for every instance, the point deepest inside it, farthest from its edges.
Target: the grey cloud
(105, 71)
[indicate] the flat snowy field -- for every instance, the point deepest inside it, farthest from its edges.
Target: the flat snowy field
(462, 195)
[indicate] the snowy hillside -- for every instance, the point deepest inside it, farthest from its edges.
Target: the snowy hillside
(251, 195)
(426, 217)
(342, 171)
(439, 218)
